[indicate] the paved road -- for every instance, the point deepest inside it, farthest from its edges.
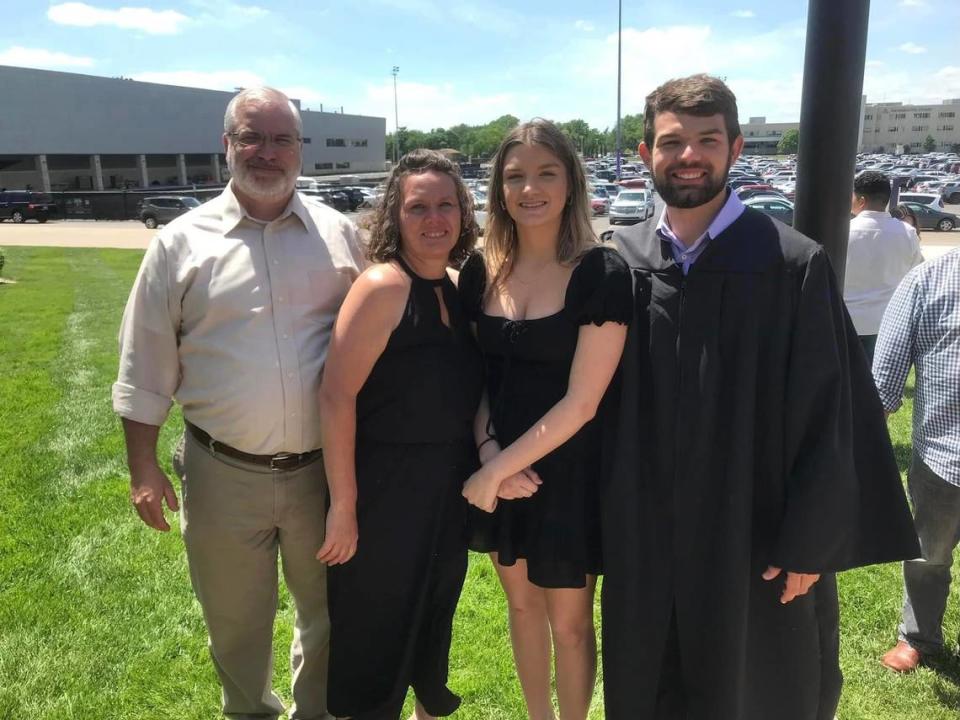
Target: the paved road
(133, 235)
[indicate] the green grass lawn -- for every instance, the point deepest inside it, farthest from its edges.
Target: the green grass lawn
(98, 619)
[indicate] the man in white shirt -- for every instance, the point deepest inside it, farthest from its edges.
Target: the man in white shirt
(881, 251)
(231, 315)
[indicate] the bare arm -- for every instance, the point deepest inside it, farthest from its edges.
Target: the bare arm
(148, 483)
(370, 312)
(594, 363)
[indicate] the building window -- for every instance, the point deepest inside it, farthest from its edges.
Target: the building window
(358, 143)
(921, 115)
(920, 128)
(893, 129)
(868, 117)
(899, 116)
(948, 114)
(336, 142)
(323, 166)
(343, 166)
(307, 141)
(866, 130)
(948, 128)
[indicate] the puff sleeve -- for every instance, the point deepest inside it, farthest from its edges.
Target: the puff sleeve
(473, 281)
(600, 289)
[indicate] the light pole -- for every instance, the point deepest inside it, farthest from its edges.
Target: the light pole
(396, 119)
(619, 61)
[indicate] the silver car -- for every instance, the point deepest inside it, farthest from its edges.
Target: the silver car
(631, 207)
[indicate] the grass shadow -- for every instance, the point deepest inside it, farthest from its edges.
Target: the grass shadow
(947, 668)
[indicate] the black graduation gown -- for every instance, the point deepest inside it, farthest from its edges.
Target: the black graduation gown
(749, 434)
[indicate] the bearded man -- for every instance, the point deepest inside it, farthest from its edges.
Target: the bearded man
(231, 315)
(751, 457)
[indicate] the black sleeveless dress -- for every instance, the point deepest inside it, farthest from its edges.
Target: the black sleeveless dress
(557, 530)
(392, 605)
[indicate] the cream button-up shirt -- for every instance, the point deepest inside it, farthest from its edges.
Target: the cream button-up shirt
(232, 317)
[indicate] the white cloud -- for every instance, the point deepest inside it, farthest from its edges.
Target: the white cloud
(875, 63)
(424, 106)
(228, 14)
(743, 14)
(483, 16)
(41, 59)
(913, 3)
(309, 98)
(913, 48)
(584, 25)
(216, 80)
(153, 22)
(911, 87)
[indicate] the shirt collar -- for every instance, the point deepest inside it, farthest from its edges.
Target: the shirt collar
(234, 212)
(732, 209)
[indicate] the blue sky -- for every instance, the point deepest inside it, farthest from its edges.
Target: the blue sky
(473, 61)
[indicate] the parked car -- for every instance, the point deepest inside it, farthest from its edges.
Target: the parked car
(934, 200)
(161, 209)
(331, 198)
(776, 207)
(480, 208)
(951, 192)
(631, 207)
(23, 205)
(745, 193)
(600, 204)
(931, 218)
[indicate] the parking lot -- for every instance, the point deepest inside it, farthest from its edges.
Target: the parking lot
(133, 235)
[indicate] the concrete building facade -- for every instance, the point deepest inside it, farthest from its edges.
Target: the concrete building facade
(761, 137)
(887, 126)
(65, 131)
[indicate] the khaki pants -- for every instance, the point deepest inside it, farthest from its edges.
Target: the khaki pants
(235, 518)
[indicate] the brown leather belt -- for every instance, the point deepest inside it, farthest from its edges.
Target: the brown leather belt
(281, 461)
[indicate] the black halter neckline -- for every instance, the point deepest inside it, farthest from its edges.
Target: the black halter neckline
(433, 282)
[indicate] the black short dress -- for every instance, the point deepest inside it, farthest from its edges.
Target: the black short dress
(392, 604)
(527, 368)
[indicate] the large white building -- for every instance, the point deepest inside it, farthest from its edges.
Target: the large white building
(887, 127)
(64, 131)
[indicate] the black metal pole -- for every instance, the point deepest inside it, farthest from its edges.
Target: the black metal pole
(619, 63)
(830, 121)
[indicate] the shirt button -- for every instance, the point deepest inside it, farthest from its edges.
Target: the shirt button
(276, 262)
(285, 336)
(280, 299)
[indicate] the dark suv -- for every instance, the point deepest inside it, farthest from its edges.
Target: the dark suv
(162, 209)
(23, 205)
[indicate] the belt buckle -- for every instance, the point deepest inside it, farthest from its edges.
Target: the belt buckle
(281, 461)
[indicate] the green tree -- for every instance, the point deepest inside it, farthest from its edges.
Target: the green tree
(929, 144)
(631, 132)
(789, 142)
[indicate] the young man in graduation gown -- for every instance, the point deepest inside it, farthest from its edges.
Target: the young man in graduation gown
(751, 457)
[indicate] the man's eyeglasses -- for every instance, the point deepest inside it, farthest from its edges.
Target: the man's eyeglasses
(252, 138)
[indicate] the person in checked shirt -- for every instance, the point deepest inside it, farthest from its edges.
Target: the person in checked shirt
(231, 315)
(921, 328)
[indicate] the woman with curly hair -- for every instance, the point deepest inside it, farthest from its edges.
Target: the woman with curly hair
(400, 390)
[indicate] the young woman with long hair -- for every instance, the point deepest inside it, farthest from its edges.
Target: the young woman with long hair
(550, 307)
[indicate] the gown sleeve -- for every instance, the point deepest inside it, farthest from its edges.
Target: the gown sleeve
(600, 289)
(845, 505)
(472, 285)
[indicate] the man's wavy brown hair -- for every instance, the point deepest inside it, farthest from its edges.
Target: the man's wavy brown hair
(385, 241)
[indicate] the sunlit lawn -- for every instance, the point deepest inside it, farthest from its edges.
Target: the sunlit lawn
(97, 619)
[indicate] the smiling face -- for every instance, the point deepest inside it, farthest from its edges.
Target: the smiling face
(264, 172)
(429, 216)
(690, 158)
(535, 185)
